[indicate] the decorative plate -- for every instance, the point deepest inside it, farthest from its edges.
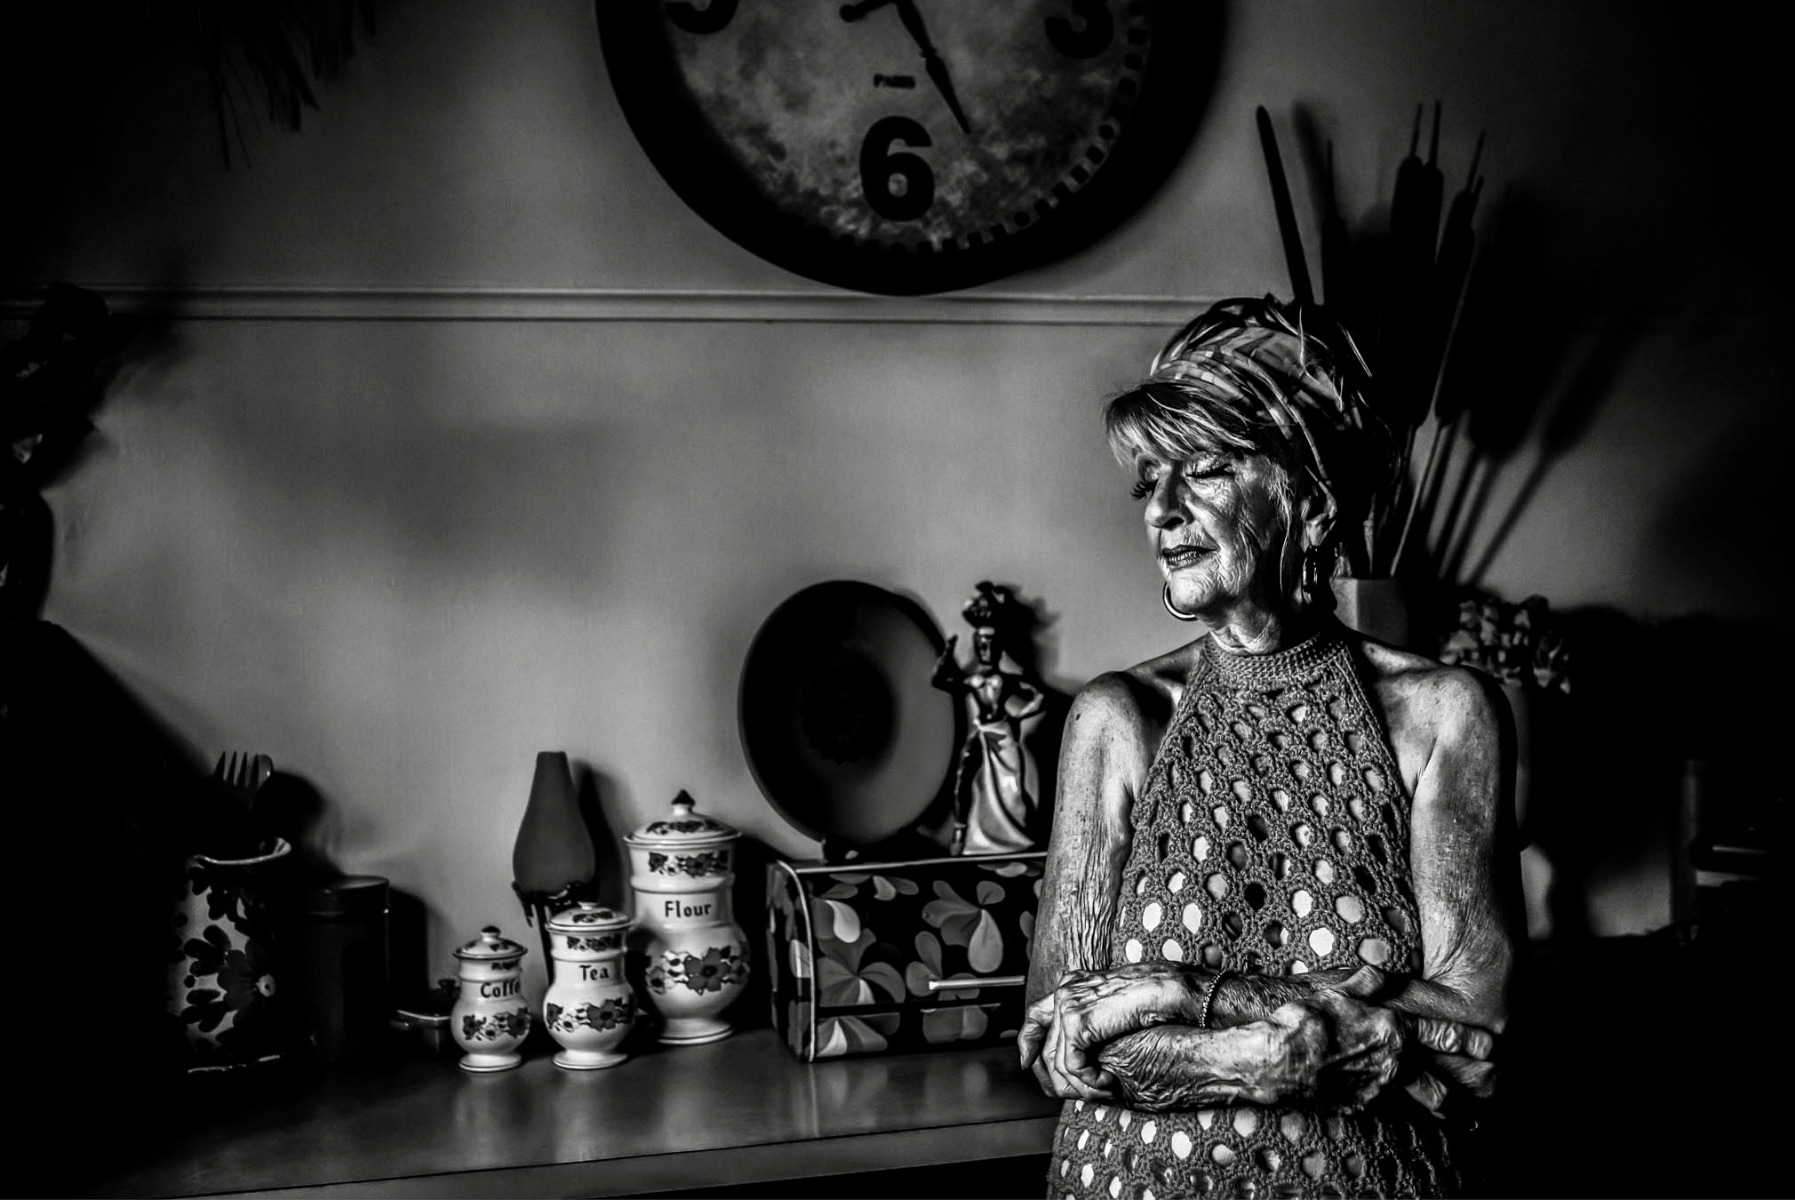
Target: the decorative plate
(846, 736)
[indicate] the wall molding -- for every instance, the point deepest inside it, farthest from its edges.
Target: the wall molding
(621, 304)
(793, 306)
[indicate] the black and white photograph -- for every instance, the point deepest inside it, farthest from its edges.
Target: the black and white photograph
(1089, 599)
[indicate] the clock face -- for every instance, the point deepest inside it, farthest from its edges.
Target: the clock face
(909, 146)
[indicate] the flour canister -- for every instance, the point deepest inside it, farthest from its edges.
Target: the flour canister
(687, 950)
(590, 1008)
(491, 1018)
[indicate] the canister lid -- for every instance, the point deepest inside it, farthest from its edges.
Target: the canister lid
(350, 896)
(683, 828)
(491, 944)
(587, 917)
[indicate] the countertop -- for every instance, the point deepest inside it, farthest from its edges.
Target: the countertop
(742, 1110)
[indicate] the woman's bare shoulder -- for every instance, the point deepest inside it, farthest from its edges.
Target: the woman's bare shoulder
(1419, 693)
(1136, 700)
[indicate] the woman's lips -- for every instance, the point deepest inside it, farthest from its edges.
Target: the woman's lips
(1183, 556)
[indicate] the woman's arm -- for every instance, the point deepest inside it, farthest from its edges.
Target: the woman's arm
(1330, 1051)
(1103, 757)
(1332, 1048)
(1101, 760)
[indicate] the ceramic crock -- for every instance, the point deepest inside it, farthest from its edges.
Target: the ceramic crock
(222, 963)
(491, 1018)
(590, 1007)
(689, 953)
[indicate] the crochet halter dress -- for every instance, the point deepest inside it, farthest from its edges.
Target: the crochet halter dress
(1272, 837)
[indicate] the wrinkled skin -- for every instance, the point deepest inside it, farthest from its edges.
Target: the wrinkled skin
(1333, 1048)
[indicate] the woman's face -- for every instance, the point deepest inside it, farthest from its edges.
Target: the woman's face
(1218, 524)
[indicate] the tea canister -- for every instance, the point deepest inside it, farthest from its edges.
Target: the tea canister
(689, 953)
(491, 1018)
(590, 1007)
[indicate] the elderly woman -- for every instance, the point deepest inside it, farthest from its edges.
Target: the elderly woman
(1274, 943)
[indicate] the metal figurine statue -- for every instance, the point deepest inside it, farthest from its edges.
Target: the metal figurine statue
(995, 800)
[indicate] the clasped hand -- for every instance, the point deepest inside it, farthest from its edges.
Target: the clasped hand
(1336, 1048)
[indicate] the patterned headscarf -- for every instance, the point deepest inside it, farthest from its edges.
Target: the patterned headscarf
(1251, 367)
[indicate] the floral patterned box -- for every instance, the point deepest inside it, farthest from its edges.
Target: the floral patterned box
(858, 953)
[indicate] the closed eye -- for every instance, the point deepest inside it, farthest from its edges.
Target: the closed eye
(1208, 467)
(1148, 471)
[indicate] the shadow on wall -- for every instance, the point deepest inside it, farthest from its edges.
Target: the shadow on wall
(1610, 758)
(266, 62)
(602, 807)
(290, 806)
(1482, 338)
(53, 379)
(1724, 523)
(102, 803)
(1521, 370)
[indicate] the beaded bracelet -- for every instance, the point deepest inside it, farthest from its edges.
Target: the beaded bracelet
(1215, 983)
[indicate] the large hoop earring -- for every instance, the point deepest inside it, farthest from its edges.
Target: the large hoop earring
(1165, 594)
(1318, 570)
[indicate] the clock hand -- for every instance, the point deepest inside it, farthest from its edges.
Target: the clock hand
(853, 12)
(938, 72)
(912, 19)
(931, 59)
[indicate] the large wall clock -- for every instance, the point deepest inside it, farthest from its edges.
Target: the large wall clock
(911, 146)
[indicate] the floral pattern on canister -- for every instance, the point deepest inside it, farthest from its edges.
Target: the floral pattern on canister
(706, 862)
(716, 969)
(607, 1015)
(859, 956)
(490, 1027)
(222, 977)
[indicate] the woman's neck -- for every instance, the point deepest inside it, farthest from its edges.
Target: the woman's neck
(1260, 631)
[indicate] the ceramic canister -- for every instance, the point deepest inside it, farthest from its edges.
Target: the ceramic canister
(590, 1007)
(223, 962)
(491, 1018)
(690, 955)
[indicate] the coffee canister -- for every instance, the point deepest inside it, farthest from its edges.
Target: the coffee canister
(687, 950)
(590, 1008)
(491, 1018)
